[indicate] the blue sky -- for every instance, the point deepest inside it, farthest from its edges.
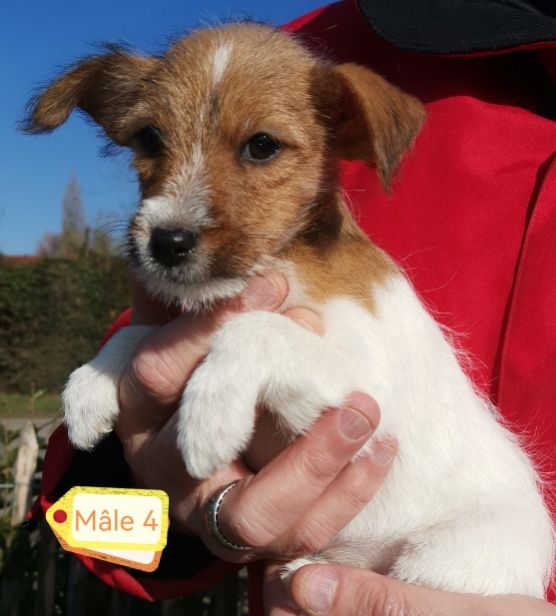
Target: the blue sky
(39, 37)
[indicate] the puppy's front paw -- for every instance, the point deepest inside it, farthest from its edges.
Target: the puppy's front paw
(216, 417)
(90, 405)
(90, 398)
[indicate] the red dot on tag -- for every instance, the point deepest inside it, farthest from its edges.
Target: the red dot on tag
(60, 516)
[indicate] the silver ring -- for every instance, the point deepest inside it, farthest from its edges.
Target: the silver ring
(212, 525)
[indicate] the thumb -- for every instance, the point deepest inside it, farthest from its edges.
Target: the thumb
(343, 591)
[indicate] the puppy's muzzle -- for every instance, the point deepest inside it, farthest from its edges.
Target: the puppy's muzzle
(172, 246)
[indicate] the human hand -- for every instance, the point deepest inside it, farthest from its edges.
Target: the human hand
(152, 385)
(320, 477)
(343, 591)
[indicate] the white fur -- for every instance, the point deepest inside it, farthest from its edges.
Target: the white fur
(261, 370)
(184, 202)
(90, 398)
(189, 187)
(460, 509)
(220, 61)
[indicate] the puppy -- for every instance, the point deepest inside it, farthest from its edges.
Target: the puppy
(236, 134)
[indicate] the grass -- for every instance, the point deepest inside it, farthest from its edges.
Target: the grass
(39, 404)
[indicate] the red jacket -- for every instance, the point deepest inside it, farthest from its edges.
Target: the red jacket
(472, 220)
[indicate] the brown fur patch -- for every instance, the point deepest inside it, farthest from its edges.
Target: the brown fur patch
(105, 87)
(344, 264)
(370, 119)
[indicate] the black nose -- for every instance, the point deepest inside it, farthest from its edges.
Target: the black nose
(171, 246)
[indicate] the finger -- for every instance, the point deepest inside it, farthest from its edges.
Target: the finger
(344, 498)
(167, 359)
(262, 509)
(306, 318)
(342, 591)
(153, 383)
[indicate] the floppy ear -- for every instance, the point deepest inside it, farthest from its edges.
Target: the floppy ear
(369, 118)
(102, 86)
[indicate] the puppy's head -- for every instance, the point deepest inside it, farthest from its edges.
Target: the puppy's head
(235, 132)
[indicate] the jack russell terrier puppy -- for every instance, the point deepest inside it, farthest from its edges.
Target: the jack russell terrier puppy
(236, 134)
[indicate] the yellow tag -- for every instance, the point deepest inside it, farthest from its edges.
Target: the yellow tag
(108, 519)
(136, 559)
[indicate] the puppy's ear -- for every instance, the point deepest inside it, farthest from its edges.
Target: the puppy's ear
(368, 118)
(102, 86)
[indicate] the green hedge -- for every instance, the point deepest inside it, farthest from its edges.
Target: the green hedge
(53, 313)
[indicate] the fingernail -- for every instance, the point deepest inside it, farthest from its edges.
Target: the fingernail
(306, 318)
(353, 425)
(319, 588)
(353, 421)
(261, 292)
(304, 323)
(384, 450)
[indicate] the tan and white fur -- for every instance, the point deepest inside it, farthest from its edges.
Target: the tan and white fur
(461, 508)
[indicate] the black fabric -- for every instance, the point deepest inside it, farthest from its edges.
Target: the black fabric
(461, 26)
(105, 466)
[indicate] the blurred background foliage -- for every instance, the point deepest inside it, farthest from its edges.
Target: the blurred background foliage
(53, 313)
(56, 305)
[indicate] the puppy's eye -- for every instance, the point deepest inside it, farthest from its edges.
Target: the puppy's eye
(261, 147)
(150, 140)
